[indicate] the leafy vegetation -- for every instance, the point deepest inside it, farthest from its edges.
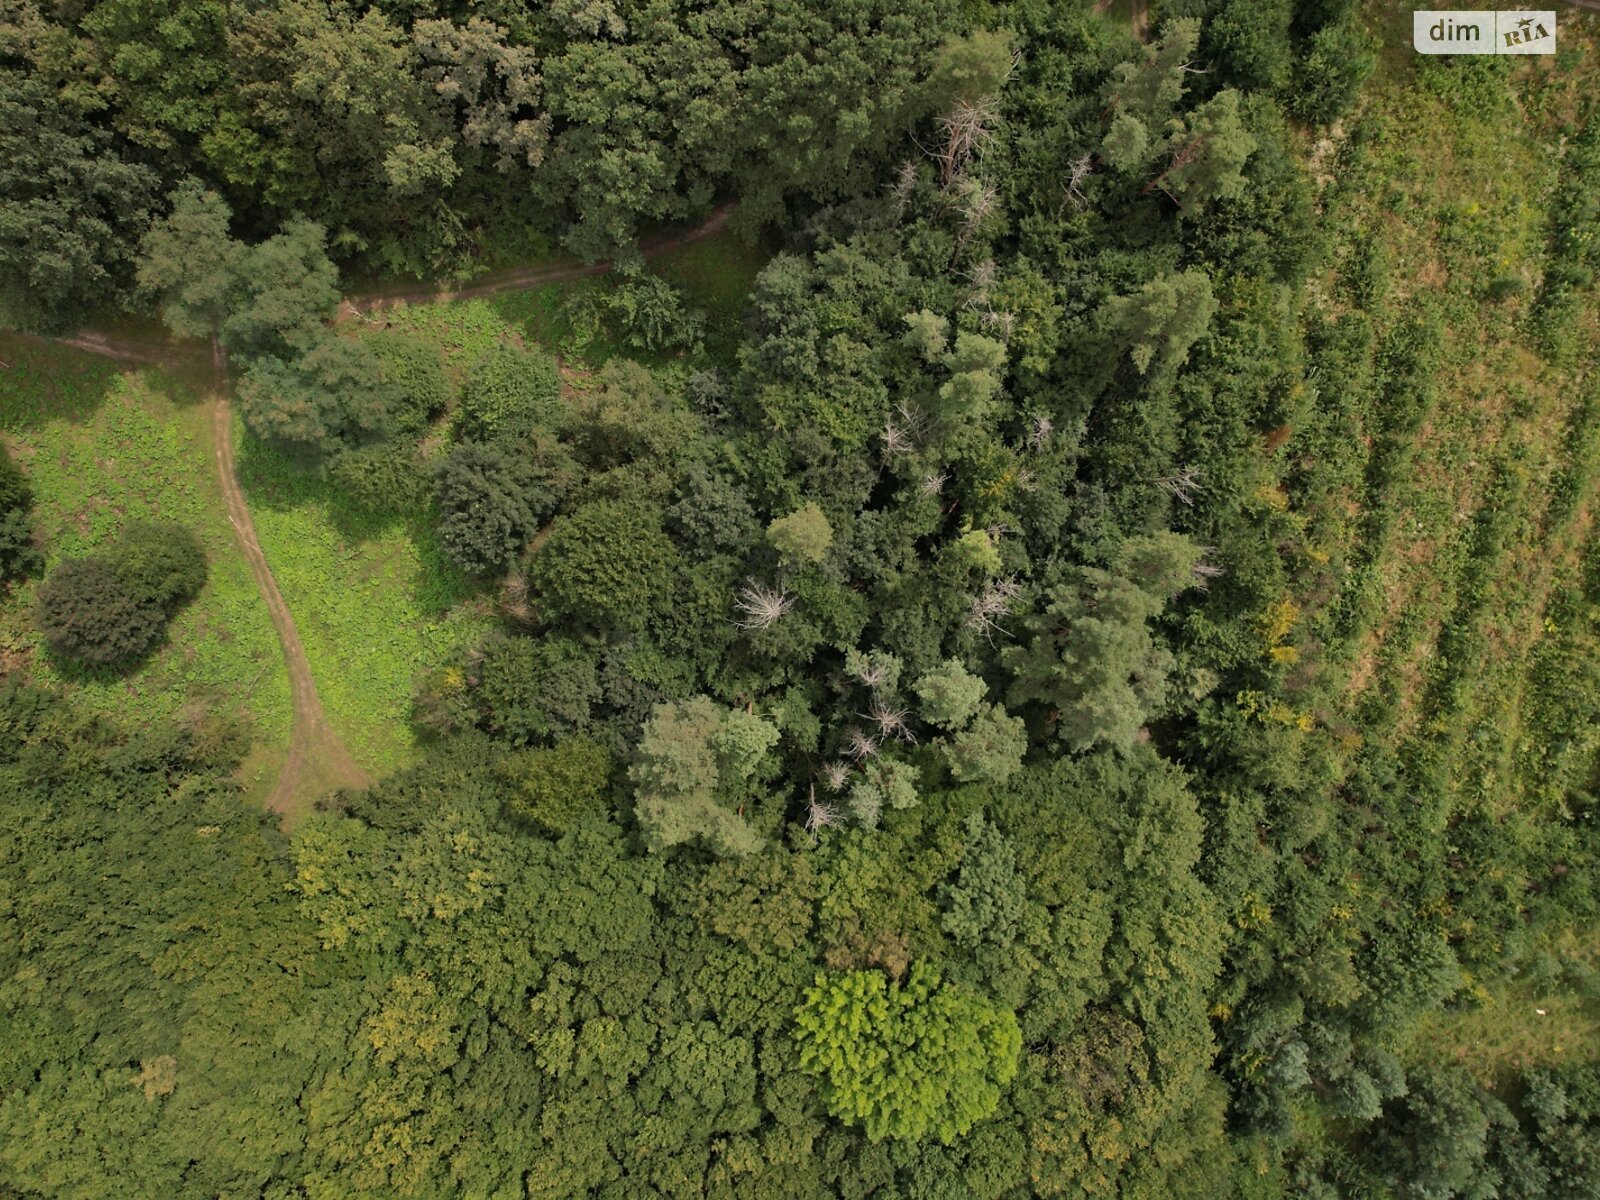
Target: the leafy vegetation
(101, 450)
(110, 609)
(1058, 669)
(376, 602)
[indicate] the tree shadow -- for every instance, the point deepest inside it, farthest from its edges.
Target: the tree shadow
(42, 381)
(282, 481)
(438, 584)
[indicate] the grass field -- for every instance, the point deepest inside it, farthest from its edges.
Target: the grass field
(1549, 1017)
(103, 446)
(374, 603)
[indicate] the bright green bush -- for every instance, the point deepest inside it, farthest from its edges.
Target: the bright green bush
(415, 385)
(803, 536)
(509, 393)
(904, 1061)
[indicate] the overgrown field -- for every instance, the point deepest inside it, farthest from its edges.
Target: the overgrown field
(375, 603)
(1450, 469)
(103, 446)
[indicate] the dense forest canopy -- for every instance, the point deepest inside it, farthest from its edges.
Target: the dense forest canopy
(968, 725)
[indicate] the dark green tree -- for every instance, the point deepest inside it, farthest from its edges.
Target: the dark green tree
(492, 499)
(536, 689)
(88, 614)
(162, 561)
(18, 556)
(71, 208)
(607, 564)
(555, 787)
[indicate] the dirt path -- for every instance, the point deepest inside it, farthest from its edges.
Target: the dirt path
(318, 760)
(128, 350)
(516, 279)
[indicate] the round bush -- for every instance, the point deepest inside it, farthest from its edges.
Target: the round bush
(109, 609)
(414, 378)
(89, 614)
(510, 393)
(381, 478)
(607, 564)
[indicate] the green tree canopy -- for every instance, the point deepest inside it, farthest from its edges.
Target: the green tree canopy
(1158, 324)
(71, 208)
(608, 564)
(191, 264)
(906, 1060)
(692, 768)
(803, 536)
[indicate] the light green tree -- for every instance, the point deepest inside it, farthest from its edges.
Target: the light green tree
(1158, 324)
(1144, 94)
(690, 771)
(290, 288)
(989, 750)
(906, 1060)
(191, 264)
(1208, 155)
(950, 694)
(928, 334)
(803, 536)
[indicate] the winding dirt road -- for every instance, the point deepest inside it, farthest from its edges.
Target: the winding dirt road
(318, 760)
(316, 755)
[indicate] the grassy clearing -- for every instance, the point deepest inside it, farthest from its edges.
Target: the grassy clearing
(714, 275)
(1549, 1017)
(104, 446)
(1444, 192)
(375, 604)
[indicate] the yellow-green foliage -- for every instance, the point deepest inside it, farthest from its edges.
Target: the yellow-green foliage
(906, 1060)
(375, 604)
